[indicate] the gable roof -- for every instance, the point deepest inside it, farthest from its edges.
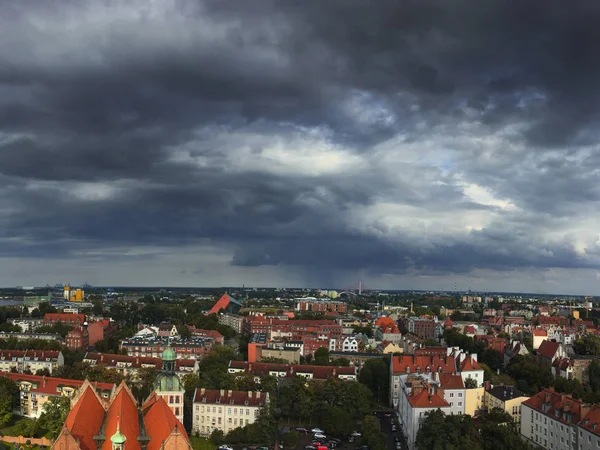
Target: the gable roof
(123, 413)
(160, 421)
(85, 418)
(50, 385)
(451, 381)
(559, 407)
(469, 364)
(426, 400)
(591, 421)
(548, 348)
(435, 363)
(228, 397)
(222, 303)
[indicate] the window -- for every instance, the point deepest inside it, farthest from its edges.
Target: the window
(219, 421)
(460, 394)
(229, 420)
(220, 410)
(545, 421)
(176, 411)
(459, 403)
(451, 394)
(177, 399)
(228, 410)
(214, 409)
(247, 412)
(171, 400)
(235, 410)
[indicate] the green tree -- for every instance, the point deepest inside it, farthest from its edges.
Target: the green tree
(340, 422)
(321, 356)
(470, 383)
(291, 439)
(9, 396)
(372, 435)
(375, 374)
(54, 414)
(25, 428)
(493, 358)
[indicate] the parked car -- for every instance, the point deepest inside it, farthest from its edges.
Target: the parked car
(336, 440)
(317, 430)
(320, 436)
(302, 430)
(356, 434)
(393, 427)
(225, 447)
(310, 447)
(398, 446)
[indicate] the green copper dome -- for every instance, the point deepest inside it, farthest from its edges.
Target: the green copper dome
(118, 437)
(168, 383)
(169, 354)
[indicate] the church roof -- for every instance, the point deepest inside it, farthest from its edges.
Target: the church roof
(85, 418)
(160, 420)
(122, 414)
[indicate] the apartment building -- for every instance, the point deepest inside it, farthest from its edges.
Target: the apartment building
(422, 327)
(324, 306)
(27, 324)
(455, 361)
(78, 338)
(292, 329)
(231, 320)
(225, 410)
(35, 391)
(28, 336)
(316, 373)
(217, 337)
(550, 419)
(418, 398)
(508, 399)
(153, 346)
(129, 365)
(66, 319)
(30, 361)
(589, 430)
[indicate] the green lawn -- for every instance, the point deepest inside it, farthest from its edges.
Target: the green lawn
(199, 443)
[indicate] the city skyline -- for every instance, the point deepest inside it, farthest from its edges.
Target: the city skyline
(197, 143)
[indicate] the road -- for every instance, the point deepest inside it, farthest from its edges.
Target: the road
(386, 427)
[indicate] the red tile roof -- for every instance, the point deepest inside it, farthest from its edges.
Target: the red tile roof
(560, 407)
(450, 381)
(469, 364)
(124, 413)
(159, 421)
(318, 372)
(539, 333)
(49, 385)
(227, 397)
(548, 349)
(68, 318)
(591, 420)
(435, 363)
(85, 419)
(426, 400)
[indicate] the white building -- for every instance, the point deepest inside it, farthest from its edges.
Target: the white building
(549, 420)
(589, 430)
(225, 410)
(418, 397)
(30, 361)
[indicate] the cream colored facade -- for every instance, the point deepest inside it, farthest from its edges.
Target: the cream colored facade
(474, 401)
(510, 405)
(227, 415)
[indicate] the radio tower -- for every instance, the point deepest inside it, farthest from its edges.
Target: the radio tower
(360, 288)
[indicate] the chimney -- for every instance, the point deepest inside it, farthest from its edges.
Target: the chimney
(202, 390)
(585, 409)
(44, 381)
(429, 398)
(222, 392)
(229, 393)
(249, 394)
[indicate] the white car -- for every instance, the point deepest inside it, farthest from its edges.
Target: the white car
(225, 447)
(317, 430)
(356, 434)
(320, 436)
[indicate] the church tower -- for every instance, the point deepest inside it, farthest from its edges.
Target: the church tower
(168, 385)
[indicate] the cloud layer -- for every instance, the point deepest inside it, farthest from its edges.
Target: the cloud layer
(406, 144)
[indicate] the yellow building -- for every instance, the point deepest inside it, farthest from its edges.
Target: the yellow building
(506, 398)
(474, 401)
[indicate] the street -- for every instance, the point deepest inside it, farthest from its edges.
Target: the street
(385, 420)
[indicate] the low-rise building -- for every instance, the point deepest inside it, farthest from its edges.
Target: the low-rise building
(27, 324)
(225, 409)
(29, 336)
(30, 361)
(314, 373)
(508, 399)
(129, 365)
(424, 328)
(36, 390)
(78, 338)
(550, 419)
(304, 304)
(217, 337)
(190, 348)
(548, 352)
(66, 319)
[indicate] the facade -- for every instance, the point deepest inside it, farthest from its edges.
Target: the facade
(225, 410)
(548, 352)
(455, 361)
(122, 424)
(30, 361)
(345, 344)
(232, 320)
(28, 336)
(418, 397)
(217, 337)
(549, 420)
(508, 399)
(66, 319)
(27, 324)
(99, 330)
(515, 348)
(290, 355)
(317, 373)
(495, 343)
(324, 306)
(192, 348)
(129, 365)
(36, 390)
(424, 328)
(78, 338)
(589, 430)
(292, 329)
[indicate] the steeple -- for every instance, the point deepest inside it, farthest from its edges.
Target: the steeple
(168, 358)
(118, 439)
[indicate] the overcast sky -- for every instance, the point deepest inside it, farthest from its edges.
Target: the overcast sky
(407, 144)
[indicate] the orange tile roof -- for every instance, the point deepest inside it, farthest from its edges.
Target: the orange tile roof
(591, 421)
(425, 400)
(435, 363)
(123, 412)
(85, 419)
(469, 364)
(229, 397)
(540, 333)
(160, 421)
(450, 381)
(569, 410)
(49, 385)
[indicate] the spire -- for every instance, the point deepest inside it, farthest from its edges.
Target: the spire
(118, 439)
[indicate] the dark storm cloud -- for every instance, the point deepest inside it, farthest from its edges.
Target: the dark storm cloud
(150, 103)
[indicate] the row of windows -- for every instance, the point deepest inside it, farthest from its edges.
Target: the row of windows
(235, 410)
(452, 394)
(230, 421)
